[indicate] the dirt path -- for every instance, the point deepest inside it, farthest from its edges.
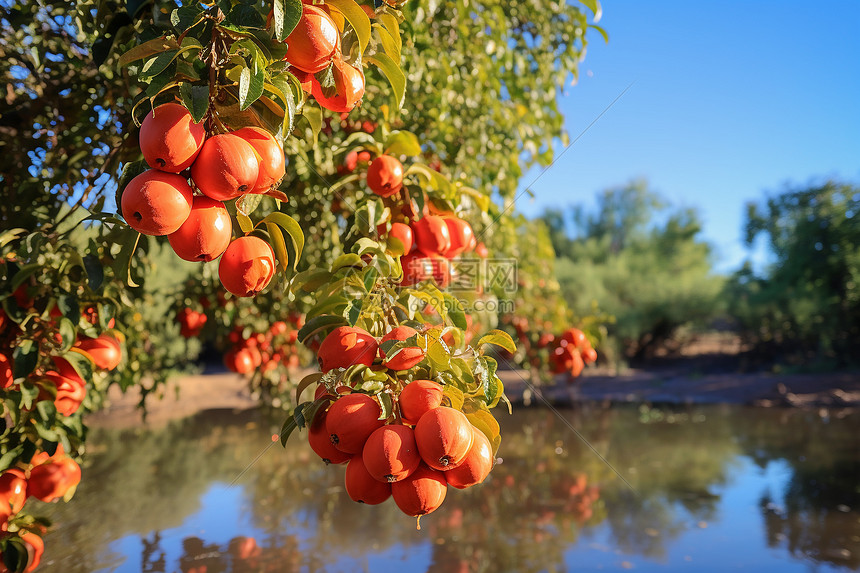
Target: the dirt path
(192, 394)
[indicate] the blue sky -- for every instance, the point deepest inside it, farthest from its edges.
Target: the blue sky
(731, 100)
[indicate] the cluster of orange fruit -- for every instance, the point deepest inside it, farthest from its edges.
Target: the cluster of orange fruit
(160, 201)
(313, 46)
(414, 454)
(46, 478)
(264, 350)
(571, 352)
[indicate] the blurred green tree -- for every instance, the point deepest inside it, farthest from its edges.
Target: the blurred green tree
(643, 260)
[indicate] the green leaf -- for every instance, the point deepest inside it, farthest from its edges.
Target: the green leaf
(346, 260)
(389, 45)
(286, 16)
(499, 338)
(455, 311)
(81, 362)
(245, 16)
(292, 228)
(455, 395)
(392, 26)
(279, 246)
(195, 99)
(122, 263)
(602, 32)
(308, 380)
(402, 143)
(24, 359)
(68, 333)
(353, 310)
(369, 279)
(23, 274)
(134, 7)
(319, 323)
(251, 82)
(248, 203)
(356, 17)
(95, 271)
(129, 171)
(185, 17)
(386, 405)
(314, 117)
(393, 74)
(594, 6)
(155, 65)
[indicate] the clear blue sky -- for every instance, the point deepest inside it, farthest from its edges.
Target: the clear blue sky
(730, 100)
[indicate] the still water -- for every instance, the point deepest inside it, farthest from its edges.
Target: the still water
(714, 489)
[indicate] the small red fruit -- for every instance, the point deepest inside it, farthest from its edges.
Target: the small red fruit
(247, 266)
(6, 373)
(407, 357)
(53, 479)
(13, 493)
(351, 420)
(420, 493)
(390, 453)
(240, 361)
(169, 138)
(319, 439)
(416, 268)
(482, 251)
(345, 346)
(385, 176)
(71, 388)
(314, 42)
(477, 465)
(576, 337)
(348, 88)
(226, 167)
(444, 436)
(271, 154)
(191, 322)
(360, 485)
(156, 203)
(206, 232)
(432, 236)
(418, 398)
(105, 351)
(403, 233)
(461, 236)
(589, 355)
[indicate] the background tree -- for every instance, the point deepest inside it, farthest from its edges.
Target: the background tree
(805, 305)
(641, 260)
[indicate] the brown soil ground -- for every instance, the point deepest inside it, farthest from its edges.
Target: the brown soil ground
(705, 372)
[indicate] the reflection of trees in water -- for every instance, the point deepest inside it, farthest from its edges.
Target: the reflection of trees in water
(817, 515)
(550, 490)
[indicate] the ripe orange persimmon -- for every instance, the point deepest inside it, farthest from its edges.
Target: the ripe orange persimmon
(477, 465)
(13, 493)
(420, 493)
(169, 138)
(390, 453)
(240, 361)
(348, 88)
(461, 234)
(54, 478)
(360, 485)
(345, 346)
(419, 397)
(407, 357)
(589, 355)
(319, 439)
(416, 268)
(314, 41)
(271, 154)
(71, 388)
(403, 233)
(351, 420)
(226, 167)
(385, 175)
(444, 436)
(576, 337)
(206, 232)
(156, 203)
(191, 322)
(432, 236)
(247, 266)
(105, 350)
(6, 375)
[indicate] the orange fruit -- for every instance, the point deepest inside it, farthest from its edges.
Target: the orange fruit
(403, 233)
(105, 350)
(419, 397)
(461, 234)
(271, 154)
(360, 485)
(476, 466)
(345, 346)
(420, 493)
(390, 453)
(314, 41)
(416, 268)
(351, 420)
(348, 88)
(205, 234)
(169, 138)
(53, 479)
(247, 266)
(407, 357)
(444, 436)
(319, 439)
(226, 167)
(385, 175)
(13, 493)
(432, 236)
(156, 203)
(71, 388)
(6, 375)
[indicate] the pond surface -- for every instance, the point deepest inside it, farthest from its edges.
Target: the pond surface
(716, 489)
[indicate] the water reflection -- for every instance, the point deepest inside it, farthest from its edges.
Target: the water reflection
(715, 486)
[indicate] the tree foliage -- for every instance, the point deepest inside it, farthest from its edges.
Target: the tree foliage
(642, 261)
(807, 301)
